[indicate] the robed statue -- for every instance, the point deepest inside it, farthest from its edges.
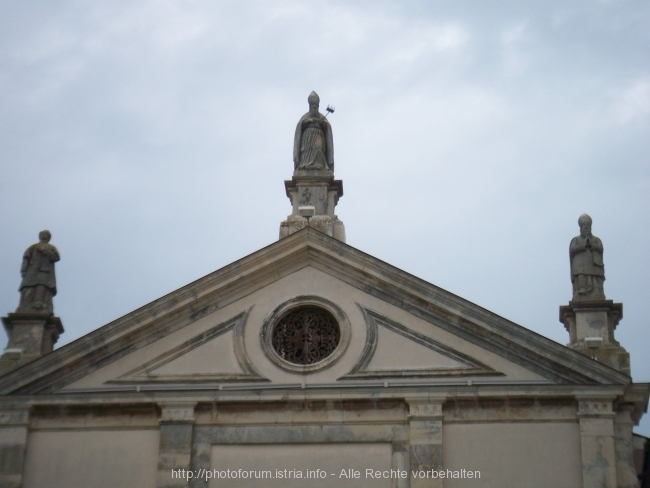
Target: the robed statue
(39, 282)
(313, 146)
(587, 268)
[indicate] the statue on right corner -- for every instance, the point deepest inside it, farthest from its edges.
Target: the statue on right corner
(587, 268)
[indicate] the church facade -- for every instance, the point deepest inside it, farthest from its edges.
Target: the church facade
(310, 363)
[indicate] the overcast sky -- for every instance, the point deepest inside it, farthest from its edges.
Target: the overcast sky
(153, 138)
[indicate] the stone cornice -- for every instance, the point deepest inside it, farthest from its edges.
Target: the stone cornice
(295, 393)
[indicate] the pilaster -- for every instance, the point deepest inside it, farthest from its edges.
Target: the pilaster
(400, 462)
(625, 470)
(597, 445)
(425, 450)
(176, 431)
(14, 425)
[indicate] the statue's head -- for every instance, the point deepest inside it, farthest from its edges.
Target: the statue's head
(44, 236)
(584, 221)
(314, 101)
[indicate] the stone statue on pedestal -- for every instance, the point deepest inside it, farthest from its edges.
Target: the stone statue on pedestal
(313, 146)
(587, 268)
(590, 319)
(39, 282)
(313, 191)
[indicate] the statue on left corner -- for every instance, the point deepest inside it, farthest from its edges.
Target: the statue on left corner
(39, 282)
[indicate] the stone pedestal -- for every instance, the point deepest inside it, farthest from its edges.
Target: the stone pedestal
(591, 326)
(425, 452)
(317, 189)
(31, 335)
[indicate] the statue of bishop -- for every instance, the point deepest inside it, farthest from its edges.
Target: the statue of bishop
(587, 268)
(313, 145)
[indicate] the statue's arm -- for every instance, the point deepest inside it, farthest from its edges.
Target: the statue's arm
(27, 256)
(296, 145)
(54, 254)
(575, 247)
(597, 245)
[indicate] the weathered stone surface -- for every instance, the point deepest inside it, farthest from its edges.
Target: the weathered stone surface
(597, 444)
(13, 443)
(425, 451)
(320, 191)
(591, 326)
(31, 335)
(625, 469)
(176, 437)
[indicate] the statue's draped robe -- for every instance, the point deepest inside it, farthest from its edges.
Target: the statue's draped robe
(38, 285)
(587, 268)
(313, 144)
(588, 261)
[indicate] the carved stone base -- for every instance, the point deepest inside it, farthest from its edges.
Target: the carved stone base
(591, 326)
(615, 356)
(319, 191)
(331, 226)
(31, 335)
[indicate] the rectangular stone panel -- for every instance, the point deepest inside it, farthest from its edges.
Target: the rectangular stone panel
(514, 455)
(97, 458)
(271, 466)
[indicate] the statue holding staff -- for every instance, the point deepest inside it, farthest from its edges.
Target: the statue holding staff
(313, 146)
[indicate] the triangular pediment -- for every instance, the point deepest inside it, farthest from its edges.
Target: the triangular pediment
(193, 335)
(394, 350)
(216, 355)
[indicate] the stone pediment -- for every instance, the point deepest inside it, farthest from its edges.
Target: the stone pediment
(216, 355)
(393, 350)
(208, 333)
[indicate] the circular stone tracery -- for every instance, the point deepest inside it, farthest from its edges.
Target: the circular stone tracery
(306, 335)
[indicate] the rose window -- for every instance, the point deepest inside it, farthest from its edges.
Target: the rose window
(306, 335)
